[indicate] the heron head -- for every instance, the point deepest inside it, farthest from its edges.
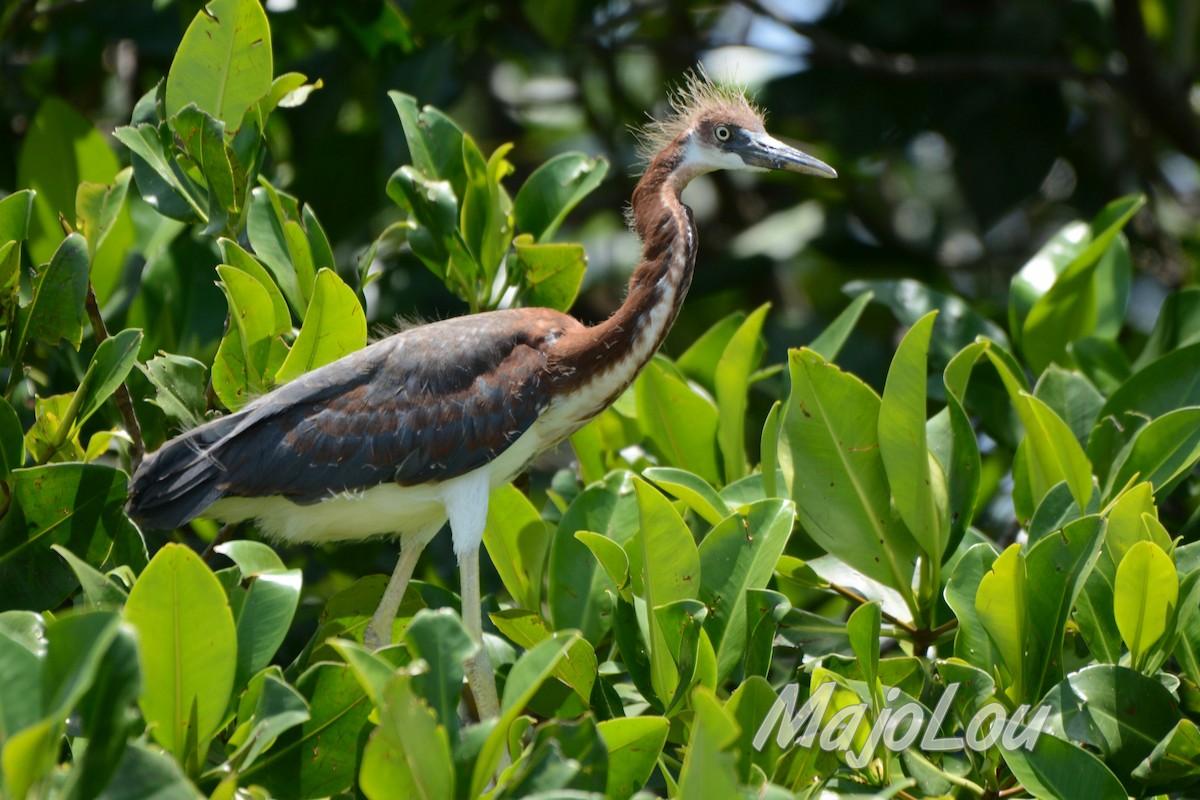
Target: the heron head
(713, 127)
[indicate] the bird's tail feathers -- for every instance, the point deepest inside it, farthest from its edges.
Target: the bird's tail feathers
(180, 480)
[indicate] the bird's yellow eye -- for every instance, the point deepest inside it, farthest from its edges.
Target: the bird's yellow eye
(722, 133)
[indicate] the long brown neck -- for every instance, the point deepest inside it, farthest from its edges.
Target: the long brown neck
(609, 356)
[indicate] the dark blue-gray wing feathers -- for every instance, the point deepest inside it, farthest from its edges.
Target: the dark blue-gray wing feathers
(425, 405)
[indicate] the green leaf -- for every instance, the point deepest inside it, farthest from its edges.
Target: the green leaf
(1072, 397)
(577, 670)
(1122, 714)
(741, 357)
(223, 64)
(435, 142)
(188, 648)
(1075, 248)
(551, 273)
(1162, 452)
(409, 755)
(831, 462)
(99, 590)
(1144, 597)
(251, 349)
(862, 627)
(708, 769)
(681, 625)
(610, 555)
(634, 744)
(1053, 453)
(577, 585)
(971, 642)
(1054, 768)
(831, 340)
(699, 361)
(664, 564)
(517, 540)
(78, 506)
(769, 449)
(738, 555)
(97, 207)
(179, 384)
(16, 210)
(765, 609)
(56, 306)
(1175, 758)
(263, 612)
(147, 773)
(267, 709)
(917, 481)
(439, 638)
(552, 190)
(1002, 607)
(12, 440)
(680, 423)
(1056, 568)
(1177, 325)
(693, 490)
(334, 326)
(111, 363)
(486, 215)
(269, 211)
(203, 138)
(532, 669)
(318, 758)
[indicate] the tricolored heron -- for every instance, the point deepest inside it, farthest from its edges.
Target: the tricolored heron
(417, 428)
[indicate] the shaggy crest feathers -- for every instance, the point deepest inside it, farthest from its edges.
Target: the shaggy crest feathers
(698, 93)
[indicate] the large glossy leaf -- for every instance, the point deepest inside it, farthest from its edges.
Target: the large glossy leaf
(439, 638)
(830, 458)
(681, 423)
(553, 189)
(1175, 760)
(664, 565)
(634, 744)
(77, 506)
(188, 648)
(267, 709)
(917, 481)
(1177, 325)
(577, 585)
(409, 755)
(144, 772)
(334, 326)
(526, 677)
(55, 310)
(1161, 452)
(551, 273)
(320, 757)
(831, 340)
(709, 769)
(1119, 712)
(1144, 597)
(223, 64)
(517, 540)
(1053, 453)
(1054, 768)
(1002, 607)
(736, 556)
(1056, 569)
(739, 359)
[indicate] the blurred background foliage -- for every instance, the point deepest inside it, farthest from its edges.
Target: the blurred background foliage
(965, 134)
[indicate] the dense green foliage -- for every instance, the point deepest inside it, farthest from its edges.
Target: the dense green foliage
(999, 513)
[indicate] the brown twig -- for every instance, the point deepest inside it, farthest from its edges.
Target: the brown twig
(221, 538)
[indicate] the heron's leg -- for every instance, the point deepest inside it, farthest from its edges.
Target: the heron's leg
(480, 676)
(466, 504)
(379, 632)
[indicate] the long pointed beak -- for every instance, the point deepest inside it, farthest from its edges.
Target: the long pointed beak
(766, 152)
